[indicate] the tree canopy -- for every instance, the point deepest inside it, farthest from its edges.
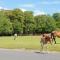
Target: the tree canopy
(56, 16)
(44, 23)
(17, 21)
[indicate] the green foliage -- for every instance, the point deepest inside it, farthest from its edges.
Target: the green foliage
(17, 21)
(44, 23)
(56, 16)
(5, 25)
(28, 21)
(17, 27)
(16, 16)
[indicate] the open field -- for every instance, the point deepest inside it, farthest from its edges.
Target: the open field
(27, 42)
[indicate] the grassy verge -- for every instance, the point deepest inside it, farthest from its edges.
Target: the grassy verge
(27, 42)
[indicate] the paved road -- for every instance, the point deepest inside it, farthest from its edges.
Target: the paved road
(22, 55)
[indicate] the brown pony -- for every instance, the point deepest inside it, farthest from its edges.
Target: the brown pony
(45, 39)
(55, 34)
(49, 38)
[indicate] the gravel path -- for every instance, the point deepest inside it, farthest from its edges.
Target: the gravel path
(6, 54)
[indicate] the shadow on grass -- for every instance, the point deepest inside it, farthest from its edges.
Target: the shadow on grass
(57, 43)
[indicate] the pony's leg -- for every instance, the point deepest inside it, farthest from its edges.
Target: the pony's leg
(42, 45)
(54, 40)
(46, 48)
(51, 41)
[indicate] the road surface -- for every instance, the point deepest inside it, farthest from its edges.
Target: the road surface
(24, 55)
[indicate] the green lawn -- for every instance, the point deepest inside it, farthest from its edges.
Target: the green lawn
(28, 42)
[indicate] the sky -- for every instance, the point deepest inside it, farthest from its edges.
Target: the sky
(37, 6)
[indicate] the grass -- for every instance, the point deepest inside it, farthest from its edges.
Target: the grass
(27, 42)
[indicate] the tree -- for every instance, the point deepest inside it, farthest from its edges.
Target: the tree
(17, 27)
(5, 25)
(16, 16)
(44, 23)
(28, 22)
(56, 16)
